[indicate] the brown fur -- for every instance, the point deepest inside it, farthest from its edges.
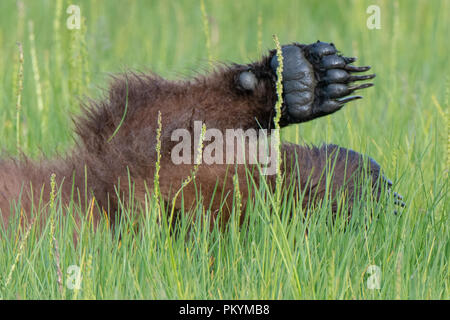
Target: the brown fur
(216, 99)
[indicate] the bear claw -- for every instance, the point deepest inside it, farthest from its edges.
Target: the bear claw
(317, 80)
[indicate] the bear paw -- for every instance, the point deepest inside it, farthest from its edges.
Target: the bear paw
(317, 81)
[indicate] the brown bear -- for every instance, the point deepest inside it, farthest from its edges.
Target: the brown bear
(117, 135)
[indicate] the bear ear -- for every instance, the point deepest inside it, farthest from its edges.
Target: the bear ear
(247, 80)
(99, 118)
(90, 127)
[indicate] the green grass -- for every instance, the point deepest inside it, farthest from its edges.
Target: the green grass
(402, 123)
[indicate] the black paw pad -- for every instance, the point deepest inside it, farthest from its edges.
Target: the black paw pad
(320, 49)
(298, 81)
(317, 81)
(247, 80)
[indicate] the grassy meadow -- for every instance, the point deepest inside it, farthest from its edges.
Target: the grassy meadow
(403, 123)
